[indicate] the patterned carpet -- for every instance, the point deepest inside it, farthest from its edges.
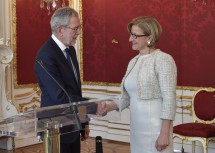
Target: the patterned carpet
(87, 147)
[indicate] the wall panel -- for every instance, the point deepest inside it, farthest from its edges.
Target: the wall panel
(32, 30)
(188, 35)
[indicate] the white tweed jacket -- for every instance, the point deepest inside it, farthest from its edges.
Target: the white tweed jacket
(157, 77)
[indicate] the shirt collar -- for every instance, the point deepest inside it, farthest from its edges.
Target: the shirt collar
(58, 42)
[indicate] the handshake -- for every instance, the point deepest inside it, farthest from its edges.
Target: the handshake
(106, 106)
(97, 107)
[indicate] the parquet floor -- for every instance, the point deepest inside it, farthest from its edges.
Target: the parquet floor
(87, 147)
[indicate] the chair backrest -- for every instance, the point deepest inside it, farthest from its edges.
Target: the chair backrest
(204, 106)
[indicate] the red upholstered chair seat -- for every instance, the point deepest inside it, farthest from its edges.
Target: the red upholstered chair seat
(195, 130)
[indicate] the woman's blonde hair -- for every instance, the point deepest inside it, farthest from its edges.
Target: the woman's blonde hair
(150, 26)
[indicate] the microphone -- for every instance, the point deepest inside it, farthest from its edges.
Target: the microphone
(99, 148)
(73, 107)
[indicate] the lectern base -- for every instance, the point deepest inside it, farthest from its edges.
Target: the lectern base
(52, 140)
(7, 143)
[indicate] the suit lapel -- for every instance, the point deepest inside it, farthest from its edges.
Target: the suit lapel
(63, 59)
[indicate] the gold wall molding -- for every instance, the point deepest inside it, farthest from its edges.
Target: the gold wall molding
(186, 107)
(101, 90)
(183, 97)
(27, 94)
(23, 107)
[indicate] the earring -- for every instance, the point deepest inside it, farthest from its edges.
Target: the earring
(148, 42)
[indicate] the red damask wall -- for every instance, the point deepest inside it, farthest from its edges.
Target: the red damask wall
(32, 29)
(188, 35)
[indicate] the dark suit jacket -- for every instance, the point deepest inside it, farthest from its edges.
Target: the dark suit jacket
(54, 61)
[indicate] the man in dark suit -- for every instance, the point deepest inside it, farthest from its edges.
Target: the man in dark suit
(58, 57)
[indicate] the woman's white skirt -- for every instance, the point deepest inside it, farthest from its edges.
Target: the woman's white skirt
(145, 125)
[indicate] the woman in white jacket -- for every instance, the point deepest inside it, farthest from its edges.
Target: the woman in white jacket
(149, 88)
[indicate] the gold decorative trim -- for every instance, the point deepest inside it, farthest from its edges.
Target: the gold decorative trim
(10, 69)
(190, 114)
(101, 90)
(81, 42)
(97, 83)
(71, 4)
(195, 118)
(189, 88)
(204, 141)
(23, 107)
(25, 95)
(187, 107)
(196, 144)
(184, 97)
(189, 138)
(14, 19)
(10, 32)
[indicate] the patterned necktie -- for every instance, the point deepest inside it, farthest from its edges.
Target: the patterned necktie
(68, 57)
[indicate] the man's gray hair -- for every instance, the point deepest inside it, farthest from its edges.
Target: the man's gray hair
(61, 17)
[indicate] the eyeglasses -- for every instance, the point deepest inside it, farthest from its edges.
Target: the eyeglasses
(75, 28)
(135, 36)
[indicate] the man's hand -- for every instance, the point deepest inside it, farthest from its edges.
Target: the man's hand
(104, 107)
(87, 131)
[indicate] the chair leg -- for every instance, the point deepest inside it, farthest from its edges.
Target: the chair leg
(205, 146)
(193, 146)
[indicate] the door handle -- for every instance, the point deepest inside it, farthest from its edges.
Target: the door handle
(114, 41)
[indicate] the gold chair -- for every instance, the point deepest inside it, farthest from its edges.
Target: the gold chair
(203, 126)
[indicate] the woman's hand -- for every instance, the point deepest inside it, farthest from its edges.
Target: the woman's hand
(104, 107)
(162, 141)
